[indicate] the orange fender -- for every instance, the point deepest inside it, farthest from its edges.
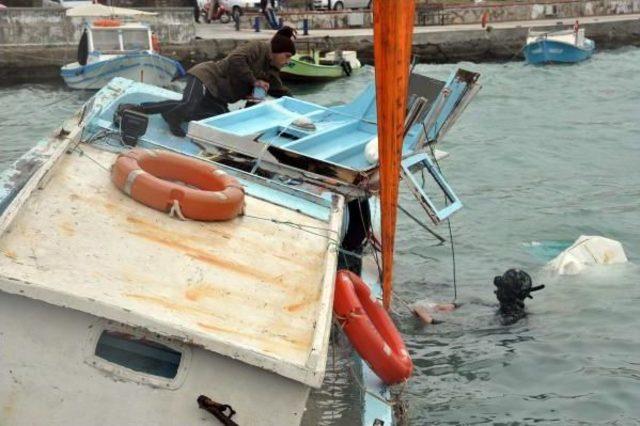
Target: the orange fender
(154, 178)
(484, 19)
(155, 43)
(370, 329)
(106, 23)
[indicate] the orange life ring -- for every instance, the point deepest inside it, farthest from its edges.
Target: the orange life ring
(106, 23)
(484, 19)
(370, 329)
(155, 43)
(151, 177)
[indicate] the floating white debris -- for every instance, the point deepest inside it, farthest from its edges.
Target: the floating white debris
(425, 309)
(371, 151)
(304, 123)
(588, 250)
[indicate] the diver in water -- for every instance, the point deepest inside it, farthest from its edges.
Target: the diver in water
(512, 288)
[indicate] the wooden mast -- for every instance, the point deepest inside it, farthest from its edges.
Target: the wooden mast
(392, 36)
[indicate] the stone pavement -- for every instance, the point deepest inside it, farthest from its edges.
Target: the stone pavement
(227, 31)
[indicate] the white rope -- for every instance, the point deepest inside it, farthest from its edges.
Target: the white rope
(176, 211)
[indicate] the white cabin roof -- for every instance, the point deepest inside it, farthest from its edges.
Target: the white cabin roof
(104, 11)
(563, 36)
(255, 290)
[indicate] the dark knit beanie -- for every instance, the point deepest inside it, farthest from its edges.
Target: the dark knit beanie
(281, 44)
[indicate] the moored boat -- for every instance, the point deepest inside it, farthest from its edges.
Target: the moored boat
(109, 48)
(312, 66)
(564, 46)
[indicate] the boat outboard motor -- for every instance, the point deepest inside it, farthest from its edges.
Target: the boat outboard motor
(83, 48)
(513, 287)
(346, 67)
(133, 125)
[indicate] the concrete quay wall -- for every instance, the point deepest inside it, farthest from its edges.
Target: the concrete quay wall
(453, 43)
(451, 14)
(432, 44)
(28, 26)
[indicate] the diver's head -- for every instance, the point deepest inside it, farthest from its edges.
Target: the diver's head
(512, 288)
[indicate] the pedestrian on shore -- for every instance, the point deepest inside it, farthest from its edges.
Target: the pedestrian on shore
(196, 10)
(251, 68)
(267, 7)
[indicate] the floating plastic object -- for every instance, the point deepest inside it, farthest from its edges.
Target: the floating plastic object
(588, 250)
(371, 151)
(426, 308)
(304, 123)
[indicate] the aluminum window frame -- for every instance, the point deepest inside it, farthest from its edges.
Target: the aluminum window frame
(454, 204)
(128, 374)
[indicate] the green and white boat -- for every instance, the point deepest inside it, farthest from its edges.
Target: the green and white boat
(311, 66)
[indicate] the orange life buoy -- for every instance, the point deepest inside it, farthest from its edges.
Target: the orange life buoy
(484, 19)
(155, 42)
(370, 329)
(151, 177)
(106, 23)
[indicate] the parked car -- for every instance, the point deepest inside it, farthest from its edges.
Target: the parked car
(342, 4)
(237, 7)
(67, 4)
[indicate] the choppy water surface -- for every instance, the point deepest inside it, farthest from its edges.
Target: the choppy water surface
(543, 155)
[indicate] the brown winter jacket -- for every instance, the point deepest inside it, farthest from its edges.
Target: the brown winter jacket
(233, 77)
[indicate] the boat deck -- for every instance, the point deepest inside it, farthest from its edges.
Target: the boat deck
(255, 288)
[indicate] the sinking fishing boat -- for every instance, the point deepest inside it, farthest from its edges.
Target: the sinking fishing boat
(564, 46)
(111, 48)
(115, 311)
(140, 317)
(311, 66)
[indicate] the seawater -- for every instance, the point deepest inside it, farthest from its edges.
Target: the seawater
(542, 156)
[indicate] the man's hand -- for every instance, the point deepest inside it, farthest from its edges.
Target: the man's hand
(263, 84)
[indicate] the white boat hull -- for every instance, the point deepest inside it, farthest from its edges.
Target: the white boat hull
(143, 67)
(48, 375)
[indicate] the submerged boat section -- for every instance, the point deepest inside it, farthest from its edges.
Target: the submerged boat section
(233, 310)
(148, 311)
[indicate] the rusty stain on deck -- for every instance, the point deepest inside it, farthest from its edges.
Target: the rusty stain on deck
(218, 231)
(266, 340)
(10, 254)
(301, 263)
(203, 255)
(68, 229)
(173, 306)
(201, 291)
(306, 300)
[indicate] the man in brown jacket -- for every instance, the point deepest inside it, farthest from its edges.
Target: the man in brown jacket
(212, 85)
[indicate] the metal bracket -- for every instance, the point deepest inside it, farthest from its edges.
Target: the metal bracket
(218, 410)
(418, 162)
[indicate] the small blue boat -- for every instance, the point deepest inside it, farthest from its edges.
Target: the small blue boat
(566, 46)
(119, 50)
